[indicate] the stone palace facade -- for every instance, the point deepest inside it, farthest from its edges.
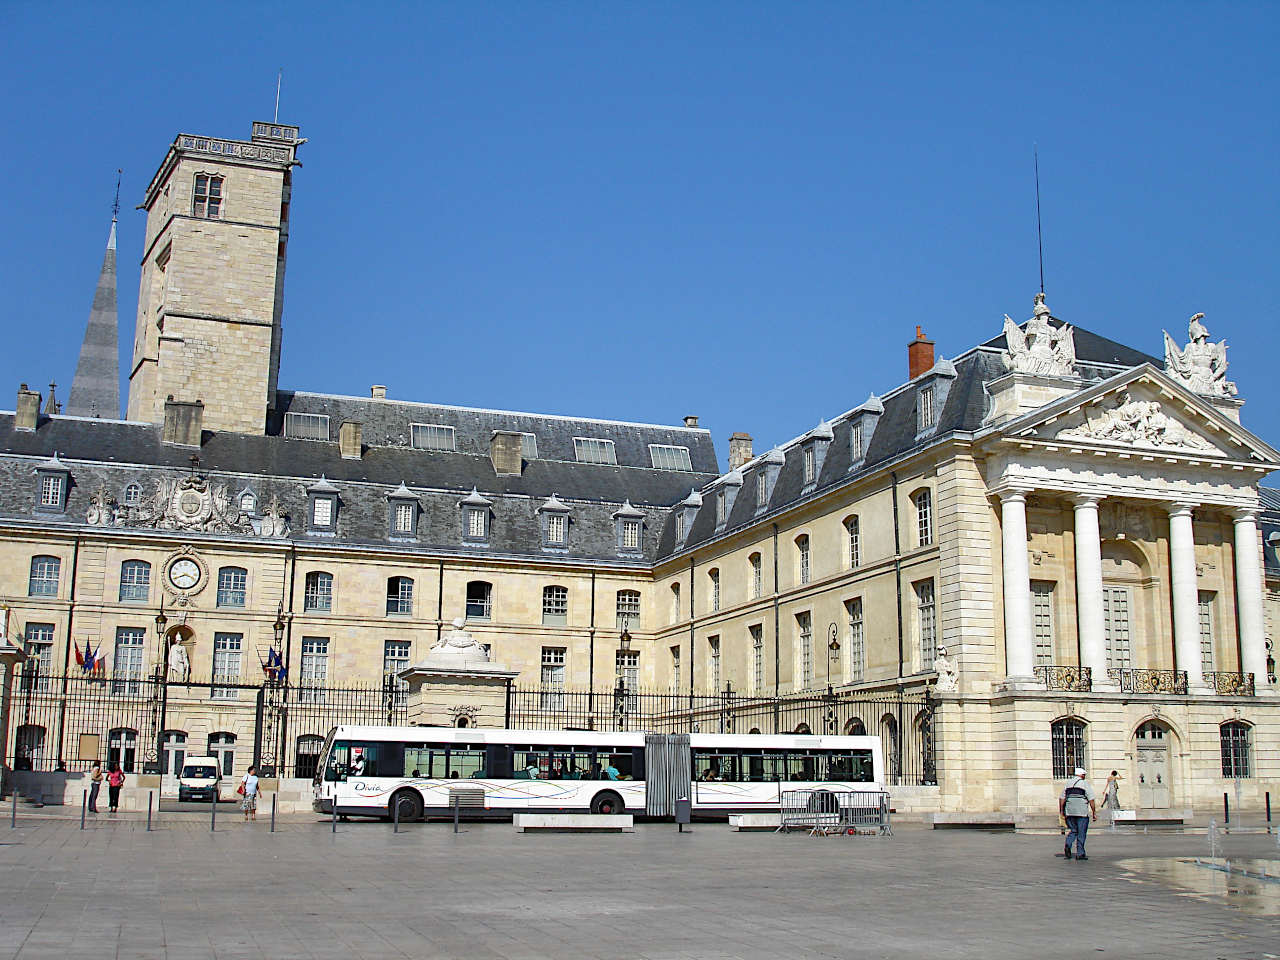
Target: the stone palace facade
(1062, 539)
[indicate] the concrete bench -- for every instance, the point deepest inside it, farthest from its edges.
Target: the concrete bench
(975, 821)
(755, 821)
(574, 822)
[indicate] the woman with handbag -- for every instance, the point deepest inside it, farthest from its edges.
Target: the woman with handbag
(115, 780)
(248, 791)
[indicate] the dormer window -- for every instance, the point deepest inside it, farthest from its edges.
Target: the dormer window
(767, 476)
(928, 414)
(51, 490)
(762, 491)
(594, 450)
(322, 513)
(402, 513)
(720, 511)
(680, 526)
(306, 426)
(432, 436)
(476, 513)
(686, 511)
(322, 507)
(810, 465)
(557, 529)
(554, 516)
(931, 395)
(814, 452)
(52, 480)
(248, 502)
(629, 528)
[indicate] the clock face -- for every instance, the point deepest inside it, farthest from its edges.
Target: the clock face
(184, 574)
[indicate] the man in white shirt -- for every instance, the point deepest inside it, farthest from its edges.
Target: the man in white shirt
(1076, 804)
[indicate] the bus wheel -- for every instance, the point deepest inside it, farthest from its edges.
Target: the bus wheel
(409, 802)
(607, 803)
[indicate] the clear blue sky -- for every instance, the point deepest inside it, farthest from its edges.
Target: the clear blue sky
(639, 211)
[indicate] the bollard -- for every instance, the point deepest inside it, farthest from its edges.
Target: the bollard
(213, 814)
(334, 827)
(1226, 811)
(273, 812)
(455, 814)
(13, 810)
(150, 797)
(395, 817)
(84, 805)
(1268, 811)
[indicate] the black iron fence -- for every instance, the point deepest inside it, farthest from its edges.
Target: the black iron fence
(903, 720)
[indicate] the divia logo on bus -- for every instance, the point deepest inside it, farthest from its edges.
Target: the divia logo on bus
(363, 786)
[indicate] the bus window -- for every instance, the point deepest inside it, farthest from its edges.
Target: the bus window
(616, 763)
(425, 760)
(466, 761)
(802, 766)
(715, 766)
(752, 767)
(531, 763)
(339, 758)
(570, 763)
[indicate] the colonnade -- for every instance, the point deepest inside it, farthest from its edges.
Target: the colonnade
(1019, 635)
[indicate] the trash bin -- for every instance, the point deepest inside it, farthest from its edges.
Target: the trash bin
(684, 812)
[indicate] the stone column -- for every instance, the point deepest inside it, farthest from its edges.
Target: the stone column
(1019, 651)
(1186, 597)
(1249, 615)
(1093, 635)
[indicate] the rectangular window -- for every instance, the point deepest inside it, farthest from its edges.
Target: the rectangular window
(762, 491)
(713, 673)
(127, 668)
(1115, 621)
(593, 450)
(664, 457)
(44, 577)
(404, 518)
(1042, 621)
(306, 426)
(475, 523)
(395, 657)
(315, 669)
(804, 640)
(555, 606)
(631, 534)
(207, 197)
(802, 546)
(924, 518)
(628, 609)
(553, 677)
(322, 512)
(757, 658)
(680, 525)
(50, 490)
(675, 603)
(810, 462)
(432, 436)
(855, 541)
(675, 669)
(38, 644)
(714, 576)
(226, 665)
(927, 620)
(928, 416)
(529, 446)
(857, 641)
(135, 580)
(757, 576)
(479, 600)
(317, 596)
(855, 442)
(720, 507)
(557, 525)
(400, 597)
(627, 663)
(1206, 631)
(231, 586)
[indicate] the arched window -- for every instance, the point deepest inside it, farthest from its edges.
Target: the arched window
(317, 594)
(399, 596)
(479, 600)
(713, 575)
(463, 721)
(854, 727)
(1234, 735)
(923, 499)
(248, 502)
(555, 606)
(1068, 743)
(231, 586)
(44, 576)
(307, 756)
(891, 745)
(675, 603)
(132, 495)
(802, 558)
(628, 609)
(135, 581)
(122, 748)
(222, 746)
(29, 747)
(853, 530)
(173, 751)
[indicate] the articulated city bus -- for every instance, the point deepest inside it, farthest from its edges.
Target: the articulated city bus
(427, 771)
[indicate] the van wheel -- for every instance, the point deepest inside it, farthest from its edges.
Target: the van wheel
(409, 802)
(607, 803)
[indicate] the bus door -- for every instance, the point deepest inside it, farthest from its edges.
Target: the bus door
(668, 772)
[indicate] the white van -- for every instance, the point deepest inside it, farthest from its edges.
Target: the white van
(200, 780)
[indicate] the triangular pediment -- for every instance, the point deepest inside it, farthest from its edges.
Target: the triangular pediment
(1142, 410)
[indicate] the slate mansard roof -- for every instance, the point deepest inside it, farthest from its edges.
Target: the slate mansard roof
(111, 454)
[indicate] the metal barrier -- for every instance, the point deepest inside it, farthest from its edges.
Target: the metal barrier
(824, 812)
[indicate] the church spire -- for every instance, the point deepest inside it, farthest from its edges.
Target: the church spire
(95, 391)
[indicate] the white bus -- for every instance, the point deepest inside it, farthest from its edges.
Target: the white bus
(426, 771)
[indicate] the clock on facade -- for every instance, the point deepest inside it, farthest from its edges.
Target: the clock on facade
(184, 573)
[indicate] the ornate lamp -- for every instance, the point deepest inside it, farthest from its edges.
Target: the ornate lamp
(161, 621)
(278, 627)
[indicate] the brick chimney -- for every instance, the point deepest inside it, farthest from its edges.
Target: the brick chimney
(919, 355)
(183, 422)
(27, 413)
(506, 450)
(739, 450)
(350, 439)
(378, 391)
(691, 421)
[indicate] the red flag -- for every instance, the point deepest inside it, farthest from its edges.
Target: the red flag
(79, 655)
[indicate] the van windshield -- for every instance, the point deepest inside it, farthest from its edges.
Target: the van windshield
(199, 773)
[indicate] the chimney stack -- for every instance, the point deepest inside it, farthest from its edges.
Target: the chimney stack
(506, 450)
(690, 421)
(28, 410)
(183, 422)
(378, 391)
(350, 437)
(739, 450)
(919, 355)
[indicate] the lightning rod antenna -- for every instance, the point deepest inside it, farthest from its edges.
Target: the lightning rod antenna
(275, 118)
(115, 207)
(1039, 233)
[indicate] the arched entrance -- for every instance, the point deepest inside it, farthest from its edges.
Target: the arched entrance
(1153, 742)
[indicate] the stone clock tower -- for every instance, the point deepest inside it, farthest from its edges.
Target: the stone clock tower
(212, 287)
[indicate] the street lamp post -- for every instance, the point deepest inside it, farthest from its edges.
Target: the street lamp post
(620, 692)
(162, 681)
(833, 651)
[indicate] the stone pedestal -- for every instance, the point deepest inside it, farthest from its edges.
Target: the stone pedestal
(457, 685)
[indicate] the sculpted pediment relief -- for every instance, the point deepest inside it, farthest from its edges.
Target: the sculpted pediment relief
(1127, 419)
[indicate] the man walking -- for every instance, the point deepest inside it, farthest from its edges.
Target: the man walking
(1077, 806)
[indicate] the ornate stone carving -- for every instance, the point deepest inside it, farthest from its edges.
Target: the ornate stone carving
(1041, 348)
(464, 711)
(274, 522)
(179, 662)
(193, 503)
(457, 649)
(948, 676)
(1141, 423)
(1120, 520)
(1201, 366)
(102, 510)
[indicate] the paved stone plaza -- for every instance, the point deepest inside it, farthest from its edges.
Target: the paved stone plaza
(116, 891)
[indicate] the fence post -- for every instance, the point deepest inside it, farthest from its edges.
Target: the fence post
(273, 812)
(1226, 811)
(333, 824)
(1268, 811)
(150, 797)
(454, 800)
(395, 816)
(84, 805)
(213, 814)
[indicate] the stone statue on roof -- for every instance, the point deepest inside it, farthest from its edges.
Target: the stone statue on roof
(1200, 366)
(1040, 348)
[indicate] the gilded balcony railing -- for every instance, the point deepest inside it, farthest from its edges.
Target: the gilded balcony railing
(1230, 684)
(1150, 681)
(1079, 679)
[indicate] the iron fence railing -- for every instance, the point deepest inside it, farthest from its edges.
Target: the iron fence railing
(1150, 681)
(1077, 679)
(1230, 684)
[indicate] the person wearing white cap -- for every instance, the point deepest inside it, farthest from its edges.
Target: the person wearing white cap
(1077, 806)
